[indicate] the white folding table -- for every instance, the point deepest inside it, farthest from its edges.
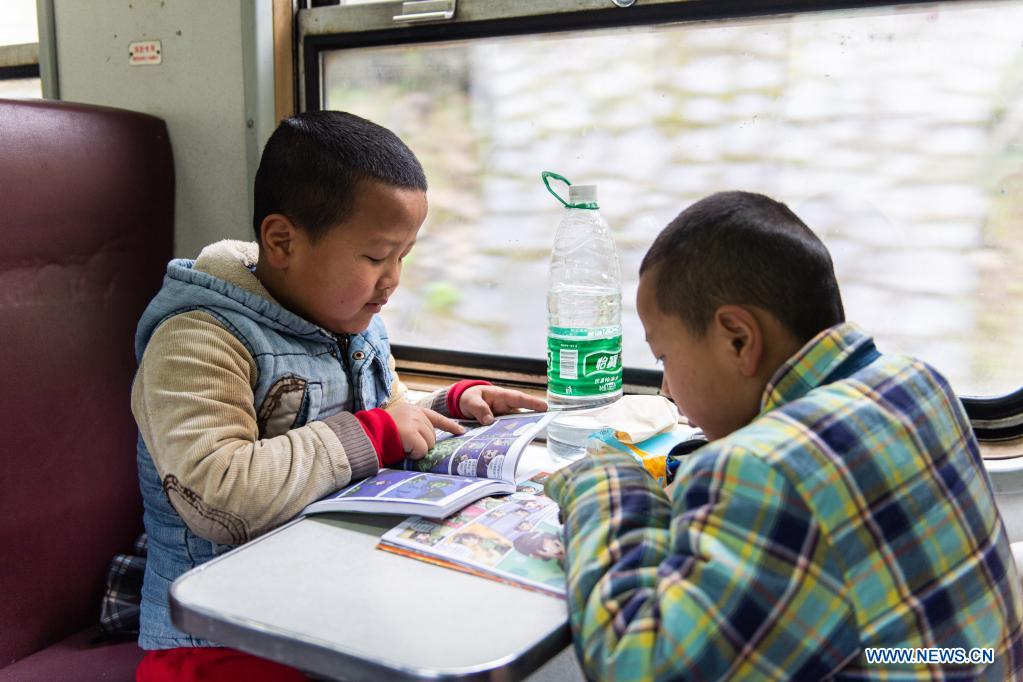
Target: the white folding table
(316, 594)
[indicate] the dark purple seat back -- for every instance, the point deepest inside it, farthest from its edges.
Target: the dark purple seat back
(86, 230)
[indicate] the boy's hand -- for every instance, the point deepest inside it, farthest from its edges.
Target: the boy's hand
(483, 402)
(416, 427)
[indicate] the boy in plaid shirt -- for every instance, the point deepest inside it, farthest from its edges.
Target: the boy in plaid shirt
(841, 504)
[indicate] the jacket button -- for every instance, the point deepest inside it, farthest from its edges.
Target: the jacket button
(358, 355)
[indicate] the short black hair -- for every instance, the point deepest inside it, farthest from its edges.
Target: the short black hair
(747, 249)
(313, 163)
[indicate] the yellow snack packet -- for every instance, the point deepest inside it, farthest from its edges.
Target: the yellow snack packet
(654, 453)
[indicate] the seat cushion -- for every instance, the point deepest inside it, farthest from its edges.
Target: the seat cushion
(77, 658)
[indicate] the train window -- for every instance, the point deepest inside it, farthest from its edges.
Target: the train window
(19, 24)
(19, 54)
(20, 88)
(894, 132)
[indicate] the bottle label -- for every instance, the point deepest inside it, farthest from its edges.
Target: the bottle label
(580, 366)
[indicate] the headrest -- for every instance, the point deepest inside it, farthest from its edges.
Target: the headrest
(63, 163)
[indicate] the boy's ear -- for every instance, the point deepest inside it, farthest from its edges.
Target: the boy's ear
(742, 337)
(277, 240)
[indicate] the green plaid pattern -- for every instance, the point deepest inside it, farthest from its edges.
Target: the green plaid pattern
(854, 512)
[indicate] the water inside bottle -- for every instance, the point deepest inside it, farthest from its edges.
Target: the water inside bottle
(575, 305)
(568, 434)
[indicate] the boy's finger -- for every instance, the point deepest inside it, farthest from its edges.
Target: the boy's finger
(427, 432)
(516, 399)
(418, 447)
(476, 406)
(443, 423)
(481, 412)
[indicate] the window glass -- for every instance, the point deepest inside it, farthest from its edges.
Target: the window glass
(21, 88)
(896, 134)
(18, 22)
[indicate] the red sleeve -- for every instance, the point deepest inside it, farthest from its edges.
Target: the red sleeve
(383, 433)
(207, 664)
(455, 394)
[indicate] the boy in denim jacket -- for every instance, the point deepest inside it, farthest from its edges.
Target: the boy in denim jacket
(265, 376)
(840, 507)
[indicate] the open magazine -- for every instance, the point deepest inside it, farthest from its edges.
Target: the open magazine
(456, 471)
(514, 539)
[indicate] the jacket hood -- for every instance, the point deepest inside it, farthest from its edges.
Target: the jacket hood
(221, 278)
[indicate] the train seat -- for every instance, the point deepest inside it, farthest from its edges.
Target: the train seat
(77, 657)
(87, 228)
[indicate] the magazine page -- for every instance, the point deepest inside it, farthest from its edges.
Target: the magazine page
(515, 539)
(408, 492)
(490, 451)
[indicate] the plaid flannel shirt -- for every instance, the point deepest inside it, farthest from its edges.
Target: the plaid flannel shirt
(851, 513)
(119, 608)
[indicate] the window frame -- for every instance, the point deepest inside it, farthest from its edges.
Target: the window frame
(18, 72)
(38, 59)
(344, 27)
(372, 25)
(19, 61)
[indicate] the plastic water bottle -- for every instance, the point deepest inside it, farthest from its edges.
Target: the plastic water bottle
(584, 306)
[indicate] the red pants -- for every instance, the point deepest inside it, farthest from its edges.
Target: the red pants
(205, 664)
